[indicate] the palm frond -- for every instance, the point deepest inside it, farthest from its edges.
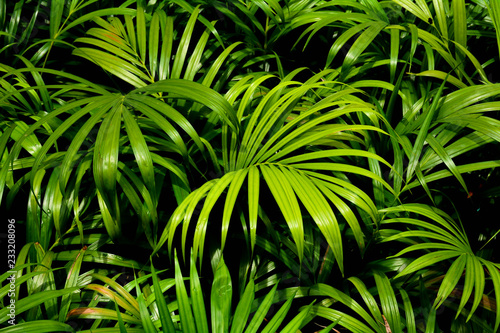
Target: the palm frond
(448, 241)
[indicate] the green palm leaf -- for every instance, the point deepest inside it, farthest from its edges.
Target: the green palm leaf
(454, 244)
(139, 51)
(209, 117)
(284, 176)
(39, 326)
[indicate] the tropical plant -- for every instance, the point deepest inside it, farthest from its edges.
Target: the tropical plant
(250, 166)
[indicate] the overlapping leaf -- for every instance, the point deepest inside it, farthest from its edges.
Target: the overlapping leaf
(302, 178)
(445, 241)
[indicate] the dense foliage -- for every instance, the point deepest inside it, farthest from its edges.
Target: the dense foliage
(250, 166)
